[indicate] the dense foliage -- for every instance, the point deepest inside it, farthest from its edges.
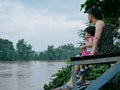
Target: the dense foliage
(62, 76)
(60, 53)
(24, 51)
(6, 50)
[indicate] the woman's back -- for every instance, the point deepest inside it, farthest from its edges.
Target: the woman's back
(106, 42)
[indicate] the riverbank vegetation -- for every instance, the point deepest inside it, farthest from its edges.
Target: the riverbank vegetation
(24, 51)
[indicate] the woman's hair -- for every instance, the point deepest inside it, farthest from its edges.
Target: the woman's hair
(96, 12)
(90, 30)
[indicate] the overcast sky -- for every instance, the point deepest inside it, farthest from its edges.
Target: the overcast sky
(41, 22)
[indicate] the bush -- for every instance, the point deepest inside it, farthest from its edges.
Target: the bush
(58, 79)
(96, 70)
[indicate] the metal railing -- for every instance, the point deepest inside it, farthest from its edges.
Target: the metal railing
(98, 59)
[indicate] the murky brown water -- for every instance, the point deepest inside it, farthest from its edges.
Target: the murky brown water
(30, 75)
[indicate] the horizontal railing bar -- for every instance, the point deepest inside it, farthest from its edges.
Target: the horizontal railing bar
(95, 57)
(96, 61)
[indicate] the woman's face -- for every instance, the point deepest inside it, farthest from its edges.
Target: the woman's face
(90, 18)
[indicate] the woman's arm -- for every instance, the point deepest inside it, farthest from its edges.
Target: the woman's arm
(98, 31)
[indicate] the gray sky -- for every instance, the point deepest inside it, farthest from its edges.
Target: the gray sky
(42, 22)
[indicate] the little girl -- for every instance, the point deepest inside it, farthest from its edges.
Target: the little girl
(87, 48)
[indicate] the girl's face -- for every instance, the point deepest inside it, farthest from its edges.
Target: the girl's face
(87, 34)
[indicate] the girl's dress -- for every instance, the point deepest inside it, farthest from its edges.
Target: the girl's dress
(87, 50)
(85, 53)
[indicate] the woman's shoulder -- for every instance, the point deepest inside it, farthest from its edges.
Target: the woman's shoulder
(100, 22)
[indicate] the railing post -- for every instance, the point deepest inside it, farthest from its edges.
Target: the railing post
(74, 77)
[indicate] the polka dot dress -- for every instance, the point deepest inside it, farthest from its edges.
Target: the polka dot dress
(105, 45)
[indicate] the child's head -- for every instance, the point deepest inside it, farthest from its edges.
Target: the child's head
(90, 30)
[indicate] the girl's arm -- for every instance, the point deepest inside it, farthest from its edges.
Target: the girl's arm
(90, 43)
(98, 31)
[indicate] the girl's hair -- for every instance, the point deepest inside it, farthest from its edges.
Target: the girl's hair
(90, 30)
(96, 12)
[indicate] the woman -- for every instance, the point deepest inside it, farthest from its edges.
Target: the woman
(103, 39)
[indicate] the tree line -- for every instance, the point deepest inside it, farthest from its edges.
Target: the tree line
(24, 51)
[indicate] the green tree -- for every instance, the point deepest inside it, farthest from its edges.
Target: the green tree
(7, 51)
(24, 51)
